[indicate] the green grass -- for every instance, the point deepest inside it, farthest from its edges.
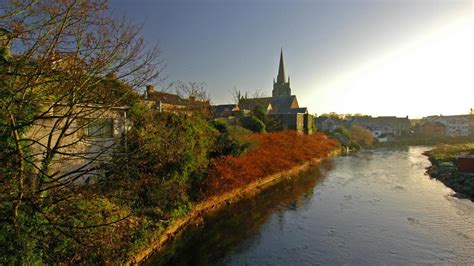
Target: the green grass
(448, 153)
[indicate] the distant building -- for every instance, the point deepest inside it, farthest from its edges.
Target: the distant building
(326, 124)
(456, 125)
(435, 129)
(282, 104)
(396, 126)
(172, 103)
(225, 110)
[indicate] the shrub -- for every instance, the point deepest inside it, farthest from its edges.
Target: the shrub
(362, 136)
(253, 123)
(225, 143)
(273, 152)
(166, 154)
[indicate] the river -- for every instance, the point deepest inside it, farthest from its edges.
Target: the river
(372, 207)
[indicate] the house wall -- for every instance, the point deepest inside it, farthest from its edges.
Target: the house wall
(430, 129)
(456, 126)
(90, 138)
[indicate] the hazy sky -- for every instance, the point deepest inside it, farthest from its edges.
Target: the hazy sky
(394, 57)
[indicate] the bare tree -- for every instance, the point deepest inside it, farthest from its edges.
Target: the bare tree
(192, 89)
(63, 88)
(258, 93)
(236, 95)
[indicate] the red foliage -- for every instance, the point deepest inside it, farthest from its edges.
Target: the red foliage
(274, 152)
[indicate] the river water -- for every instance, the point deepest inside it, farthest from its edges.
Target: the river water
(372, 207)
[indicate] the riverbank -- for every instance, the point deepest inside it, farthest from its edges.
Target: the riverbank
(444, 169)
(376, 207)
(424, 141)
(215, 203)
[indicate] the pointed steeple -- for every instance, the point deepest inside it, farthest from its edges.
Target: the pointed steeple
(281, 78)
(281, 87)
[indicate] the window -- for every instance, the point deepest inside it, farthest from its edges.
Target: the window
(99, 128)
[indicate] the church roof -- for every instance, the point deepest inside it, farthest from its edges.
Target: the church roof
(282, 104)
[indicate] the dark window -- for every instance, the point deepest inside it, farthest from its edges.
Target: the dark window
(99, 128)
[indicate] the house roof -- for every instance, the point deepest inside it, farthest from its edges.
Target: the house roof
(165, 97)
(435, 123)
(224, 108)
(381, 120)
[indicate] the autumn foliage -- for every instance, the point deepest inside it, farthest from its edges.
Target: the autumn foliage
(273, 153)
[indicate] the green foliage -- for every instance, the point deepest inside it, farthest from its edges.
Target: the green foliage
(343, 131)
(259, 112)
(253, 123)
(225, 144)
(449, 152)
(221, 126)
(85, 229)
(443, 159)
(166, 154)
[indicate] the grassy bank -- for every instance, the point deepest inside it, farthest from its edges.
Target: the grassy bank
(443, 167)
(425, 141)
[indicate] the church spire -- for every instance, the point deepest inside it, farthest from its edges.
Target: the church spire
(281, 78)
(281, 87)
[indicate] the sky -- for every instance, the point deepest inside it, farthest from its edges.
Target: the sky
(386, 57)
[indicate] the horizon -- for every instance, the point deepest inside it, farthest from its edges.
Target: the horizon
(388, 58)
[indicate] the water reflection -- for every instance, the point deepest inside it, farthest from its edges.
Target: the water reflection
(373, 207)
(221, 232)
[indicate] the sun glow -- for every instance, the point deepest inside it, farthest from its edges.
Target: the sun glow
(431, 75)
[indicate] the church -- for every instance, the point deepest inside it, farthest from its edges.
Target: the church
(282, 105)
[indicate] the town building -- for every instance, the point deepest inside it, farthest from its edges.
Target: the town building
(82, 137)
(282, 105)
(326, 124)
(456, 125)
(383, 125)
(429, 128)
(225, 110)
(172, 103)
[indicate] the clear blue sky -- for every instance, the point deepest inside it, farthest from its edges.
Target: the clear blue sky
(328, 46)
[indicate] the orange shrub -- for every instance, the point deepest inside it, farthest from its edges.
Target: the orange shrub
(274, 152)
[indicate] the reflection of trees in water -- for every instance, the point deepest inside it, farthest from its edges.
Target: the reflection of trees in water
(222, 231)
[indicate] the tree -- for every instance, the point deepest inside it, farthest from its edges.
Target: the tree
(56, 87)
(166, 154)
(362, 136)
(236, 95)
(253, 123)
(333, 115)
(196, 98)
(192, 89)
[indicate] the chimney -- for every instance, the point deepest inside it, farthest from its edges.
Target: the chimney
(149, 90)
(192, 98)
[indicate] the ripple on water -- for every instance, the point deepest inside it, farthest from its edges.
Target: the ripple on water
(375, 207)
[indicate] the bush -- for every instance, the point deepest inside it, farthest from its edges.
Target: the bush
(221, 126)
(167, 153)
(362, 136)
(230, 172)
(253, 123)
